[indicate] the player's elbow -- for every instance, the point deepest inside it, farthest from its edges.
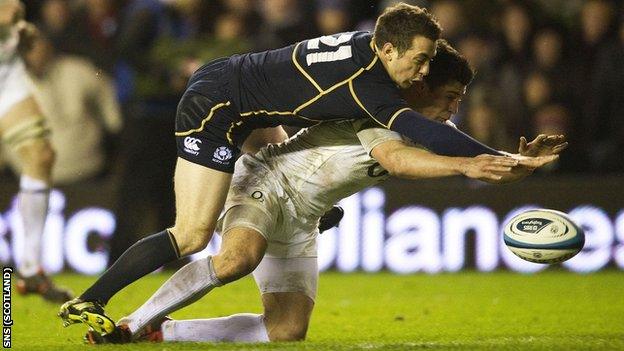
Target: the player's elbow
(395, 169)
(395, 165)
(388, 155)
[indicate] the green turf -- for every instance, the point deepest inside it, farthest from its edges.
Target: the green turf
(552, 310)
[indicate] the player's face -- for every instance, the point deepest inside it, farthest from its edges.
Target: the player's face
(443, 102)
(413, 64)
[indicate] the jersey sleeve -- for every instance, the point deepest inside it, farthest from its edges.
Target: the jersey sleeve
(442, 139)
(381, 100)
(372, 135)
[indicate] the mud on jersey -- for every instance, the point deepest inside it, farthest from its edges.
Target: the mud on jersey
(326, 163)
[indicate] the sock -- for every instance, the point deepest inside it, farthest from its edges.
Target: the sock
(145, 256)
(186, 286)
(243, 327)
(33, 208)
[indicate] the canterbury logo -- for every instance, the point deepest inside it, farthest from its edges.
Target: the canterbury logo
(191, 145)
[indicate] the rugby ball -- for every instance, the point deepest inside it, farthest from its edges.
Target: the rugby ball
(543, 236)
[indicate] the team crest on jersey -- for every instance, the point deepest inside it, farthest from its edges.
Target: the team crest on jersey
(222, 154)
(191, 145)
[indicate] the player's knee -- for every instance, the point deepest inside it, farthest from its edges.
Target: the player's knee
(231, 266)
(191, 239)
(38, 154)
(288, 332)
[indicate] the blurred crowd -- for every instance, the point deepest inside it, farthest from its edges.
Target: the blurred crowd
(109, 74)
(543, 66)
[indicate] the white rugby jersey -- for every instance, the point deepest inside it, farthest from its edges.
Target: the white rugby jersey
(327, 162)
(14, 85)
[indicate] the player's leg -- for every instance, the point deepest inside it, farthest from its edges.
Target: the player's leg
(202, 178)
(287, 315)
(246, 224)
(200, 193)
(24, 132)
(288, 287)
(241, 251)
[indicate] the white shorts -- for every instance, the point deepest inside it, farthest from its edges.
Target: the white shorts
(257, 201)
(297, 274)
(14, 86)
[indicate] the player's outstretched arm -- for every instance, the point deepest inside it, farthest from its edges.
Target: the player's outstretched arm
(542, 145)
(543, 150)
(437, 137)
(405, 161)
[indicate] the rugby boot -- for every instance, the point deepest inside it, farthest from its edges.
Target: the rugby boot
(90, 313)
(42, 285)
(120, 335)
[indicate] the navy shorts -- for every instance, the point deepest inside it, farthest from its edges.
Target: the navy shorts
(206, 124)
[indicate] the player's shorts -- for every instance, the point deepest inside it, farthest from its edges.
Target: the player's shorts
(14, 85)
(296, 274)
(257, 201)
(205, 123)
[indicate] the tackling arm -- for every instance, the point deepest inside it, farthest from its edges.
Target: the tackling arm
(405, 161)
(440, 138)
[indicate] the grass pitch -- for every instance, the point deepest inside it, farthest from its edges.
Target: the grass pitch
(552, 310)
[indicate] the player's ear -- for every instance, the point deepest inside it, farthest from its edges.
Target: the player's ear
(387, 50)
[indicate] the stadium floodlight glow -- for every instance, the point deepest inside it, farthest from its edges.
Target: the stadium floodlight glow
(598, 239)
(327, 244)
(411, 239)
(456, 223)
(413, 244)
(618, 253)
(373, 234)
(5, 248)
(52, 241)
(79, 226)
(348, 258)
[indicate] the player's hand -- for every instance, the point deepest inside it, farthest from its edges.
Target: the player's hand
(488, 167)
(542, 145)
(526, 166)
(534, 162)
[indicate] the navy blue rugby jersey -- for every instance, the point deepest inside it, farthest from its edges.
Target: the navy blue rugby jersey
(334, 77)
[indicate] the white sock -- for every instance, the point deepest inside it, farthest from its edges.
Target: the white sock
(33, 208)
(243, 327)
(187, 285)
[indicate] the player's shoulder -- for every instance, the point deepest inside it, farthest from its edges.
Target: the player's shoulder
(362, 46)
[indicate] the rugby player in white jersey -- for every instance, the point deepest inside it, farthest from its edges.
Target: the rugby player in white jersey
(23, 130)
(273, 208)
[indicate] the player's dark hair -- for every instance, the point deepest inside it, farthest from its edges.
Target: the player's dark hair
(399, 25)
(448, 66)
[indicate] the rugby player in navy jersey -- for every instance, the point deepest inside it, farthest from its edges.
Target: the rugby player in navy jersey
(353, 75)
(275, 202)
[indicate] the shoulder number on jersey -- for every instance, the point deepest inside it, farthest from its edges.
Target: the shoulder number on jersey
(327, 43)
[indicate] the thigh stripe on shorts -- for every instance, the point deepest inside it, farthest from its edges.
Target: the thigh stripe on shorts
(203, 122)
